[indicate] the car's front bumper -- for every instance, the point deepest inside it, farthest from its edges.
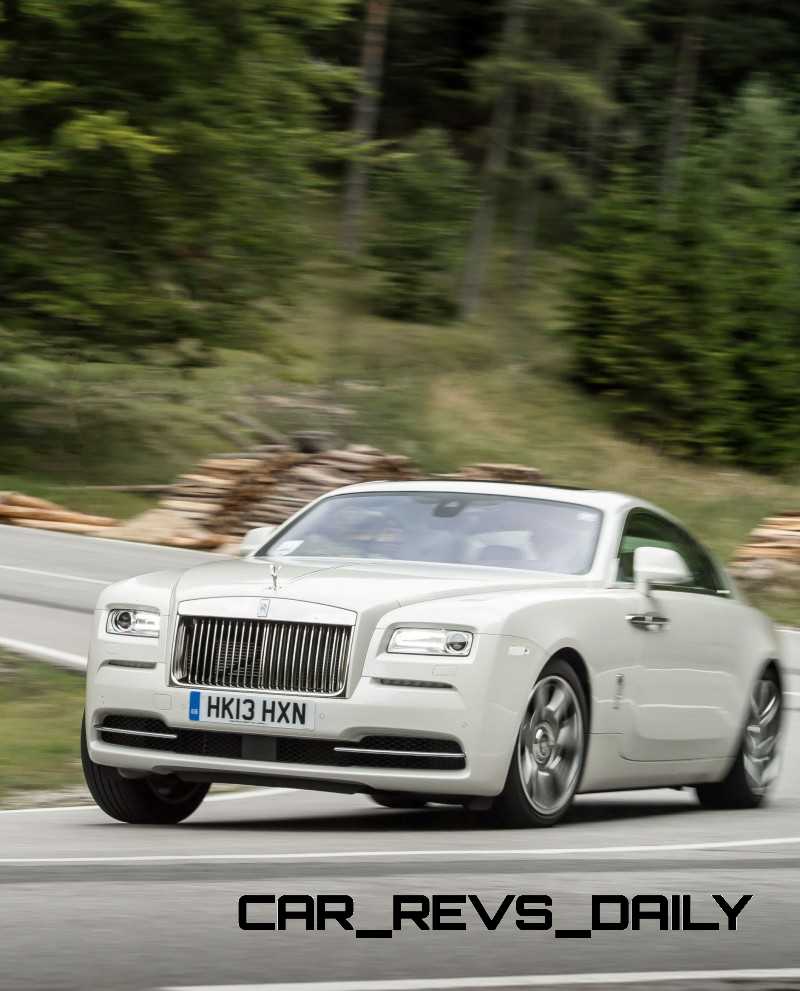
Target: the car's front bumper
(480, 709)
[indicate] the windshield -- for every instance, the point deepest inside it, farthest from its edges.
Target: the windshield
(446, 528)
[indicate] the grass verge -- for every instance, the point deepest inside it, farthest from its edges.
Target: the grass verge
(40, 721)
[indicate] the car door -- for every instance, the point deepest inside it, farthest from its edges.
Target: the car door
(683, 693)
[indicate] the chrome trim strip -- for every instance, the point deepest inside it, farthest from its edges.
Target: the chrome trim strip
(136, 732)
(398, 753)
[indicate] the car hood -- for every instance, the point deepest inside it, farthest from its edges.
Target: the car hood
(355, 585)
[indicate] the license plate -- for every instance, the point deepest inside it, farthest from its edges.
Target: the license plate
(251, 710)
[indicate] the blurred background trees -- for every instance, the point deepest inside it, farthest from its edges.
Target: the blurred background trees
(178, 178)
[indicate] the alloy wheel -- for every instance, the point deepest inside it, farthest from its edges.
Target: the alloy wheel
(551, 745)
(761, 735)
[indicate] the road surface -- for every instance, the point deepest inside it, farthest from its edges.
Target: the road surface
(89, 903)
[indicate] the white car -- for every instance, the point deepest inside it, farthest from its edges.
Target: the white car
(497, 646)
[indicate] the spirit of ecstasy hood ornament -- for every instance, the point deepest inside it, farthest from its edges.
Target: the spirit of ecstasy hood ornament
(274, 570)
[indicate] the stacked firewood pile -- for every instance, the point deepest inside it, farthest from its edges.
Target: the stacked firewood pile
(771, 555)
(221, 498)
(521, 474)
(24, 510)
(231, 494)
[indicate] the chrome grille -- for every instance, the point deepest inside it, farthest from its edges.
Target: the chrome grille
(261, 655)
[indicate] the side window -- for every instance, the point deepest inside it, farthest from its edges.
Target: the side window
(644, 529)
(701, 567)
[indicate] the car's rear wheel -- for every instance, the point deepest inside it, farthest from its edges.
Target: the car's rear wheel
(757, 762)
(155, 800)
(549, 753)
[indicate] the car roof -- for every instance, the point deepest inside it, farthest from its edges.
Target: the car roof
(606, 501)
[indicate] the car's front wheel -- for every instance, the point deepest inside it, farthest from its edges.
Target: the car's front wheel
(152, 800)
(549, 753)
(756, 764)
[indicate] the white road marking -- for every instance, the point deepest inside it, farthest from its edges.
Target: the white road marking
(56, 574)
(74, 661)
(535, 854)
(45, 534)
(514, 981)
(227, 796)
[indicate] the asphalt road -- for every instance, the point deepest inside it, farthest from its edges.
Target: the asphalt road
(89, 903)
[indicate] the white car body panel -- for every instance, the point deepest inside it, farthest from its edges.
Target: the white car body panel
(666, 708)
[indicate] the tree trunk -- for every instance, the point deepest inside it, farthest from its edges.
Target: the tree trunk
(608, 61)
(11, 18)
(365, 117)
(527, 217)
(494, 166)
(682, 98)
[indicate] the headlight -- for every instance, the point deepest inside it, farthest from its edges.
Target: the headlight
(455, 643)
(134, 622)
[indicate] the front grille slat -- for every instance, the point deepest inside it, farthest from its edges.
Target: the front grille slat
(267, 639)
(207, 653)
(261, 655)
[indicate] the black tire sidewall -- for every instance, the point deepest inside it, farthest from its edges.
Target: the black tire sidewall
(132, 800)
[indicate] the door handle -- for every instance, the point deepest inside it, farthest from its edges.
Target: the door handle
(648, 621)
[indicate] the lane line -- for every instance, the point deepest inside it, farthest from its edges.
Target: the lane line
(75, 662)
(222, 797)
(45, 534)
(514, 981)
(56, 574)
(506, 854)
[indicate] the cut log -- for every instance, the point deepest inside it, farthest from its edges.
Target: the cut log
(27, 513)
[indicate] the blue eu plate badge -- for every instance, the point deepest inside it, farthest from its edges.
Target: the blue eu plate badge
(194, 706)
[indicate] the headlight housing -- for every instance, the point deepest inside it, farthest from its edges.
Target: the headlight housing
(134, 622)
(442, 643)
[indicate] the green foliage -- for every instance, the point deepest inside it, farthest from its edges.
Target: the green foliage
(155, 162)
(40, 722)
(683, 314)
(423, 200)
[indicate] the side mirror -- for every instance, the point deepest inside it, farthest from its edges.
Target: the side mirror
(658, 566)
(253, 540)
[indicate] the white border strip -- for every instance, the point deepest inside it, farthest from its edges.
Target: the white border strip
(56, 574)
(513, 981)
(119, 541)
(75, 662)
(535, 854)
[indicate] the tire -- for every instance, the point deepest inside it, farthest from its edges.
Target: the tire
(755, 767)
(154, 800)
(544, 774)
(397, 800)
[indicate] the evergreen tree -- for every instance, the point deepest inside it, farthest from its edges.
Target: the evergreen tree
(423, 203)
(155, 158)
(757, 279)
(688, 322)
